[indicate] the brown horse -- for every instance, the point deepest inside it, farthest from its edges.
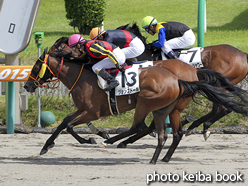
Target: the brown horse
(177, 67)
(226, 59)
(160, 91)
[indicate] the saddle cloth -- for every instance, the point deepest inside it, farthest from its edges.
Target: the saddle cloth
(191, 56)
(128, 84)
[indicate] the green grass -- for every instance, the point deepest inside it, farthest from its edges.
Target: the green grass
(226, 21)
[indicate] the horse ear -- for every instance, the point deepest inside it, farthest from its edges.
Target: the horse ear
(46, 50)
(123, 27)
(43, 54)
(135, 26)
(65, 40)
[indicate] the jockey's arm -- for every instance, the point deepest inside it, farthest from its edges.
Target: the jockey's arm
(161, 38)
(101, 50)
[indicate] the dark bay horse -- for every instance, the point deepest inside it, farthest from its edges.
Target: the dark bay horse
(226, 59)
(160, 91)
(177, 67)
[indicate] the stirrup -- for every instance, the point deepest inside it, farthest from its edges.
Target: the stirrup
(111, 85)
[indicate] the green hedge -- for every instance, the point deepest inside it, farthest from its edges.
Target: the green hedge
(85, 14)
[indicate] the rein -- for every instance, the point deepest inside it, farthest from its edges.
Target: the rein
(76, 80)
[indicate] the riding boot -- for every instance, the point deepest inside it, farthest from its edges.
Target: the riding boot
(112, 81)
(172, 55)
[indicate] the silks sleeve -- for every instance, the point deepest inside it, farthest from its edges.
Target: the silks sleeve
(103, 51)
(161, 38)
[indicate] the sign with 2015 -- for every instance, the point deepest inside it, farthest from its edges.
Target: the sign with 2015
(15, 73)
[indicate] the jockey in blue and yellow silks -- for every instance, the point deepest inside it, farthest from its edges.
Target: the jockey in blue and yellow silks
(171, 35)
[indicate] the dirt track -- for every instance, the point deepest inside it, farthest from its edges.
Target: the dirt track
(70, 163)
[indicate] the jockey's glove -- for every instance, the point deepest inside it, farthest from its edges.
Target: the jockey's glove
(121, 68)
(149, 46)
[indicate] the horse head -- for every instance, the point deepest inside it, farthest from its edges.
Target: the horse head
(57, 45)
(40, 73)
(61, 49)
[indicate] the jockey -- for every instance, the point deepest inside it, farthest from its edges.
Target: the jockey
(171, 35)
(130, 44)
(75, 39)
(111, 55)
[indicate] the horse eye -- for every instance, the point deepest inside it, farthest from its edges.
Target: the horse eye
(35, 70)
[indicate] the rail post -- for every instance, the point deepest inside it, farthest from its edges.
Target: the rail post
(201, 21)
(38, 36)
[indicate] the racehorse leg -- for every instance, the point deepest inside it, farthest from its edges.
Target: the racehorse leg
(96, 131)
(177, 134)
(206, 125)
(152, 133)
(159, 121)
(213, 114)
(76, 121)
(137, 136)
(50, 142)
(139, 118)
(199, 121)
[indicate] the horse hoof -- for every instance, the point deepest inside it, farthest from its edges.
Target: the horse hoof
(153, 134)
(103, 134)
(43, 151)
(121, 145)
(92, 141)
(165, 160)
(104, 144)
(206, 135)
(152, 162)
(51, 146)
(188, 132)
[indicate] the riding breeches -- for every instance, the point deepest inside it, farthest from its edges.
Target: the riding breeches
(136, 48)
(187, 40)
(108, 63)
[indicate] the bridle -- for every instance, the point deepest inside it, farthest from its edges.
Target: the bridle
(44, 68)
(41, 74)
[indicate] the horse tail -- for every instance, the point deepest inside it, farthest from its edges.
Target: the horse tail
(214, 94)
(218, 80)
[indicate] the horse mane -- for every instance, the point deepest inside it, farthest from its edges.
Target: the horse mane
(63, 40)
(135, 30)
(87, 66)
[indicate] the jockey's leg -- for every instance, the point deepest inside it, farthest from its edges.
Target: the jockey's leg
(136, 48)
(167, 49)
(172, 55)
(106, 63)
(112, 81)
